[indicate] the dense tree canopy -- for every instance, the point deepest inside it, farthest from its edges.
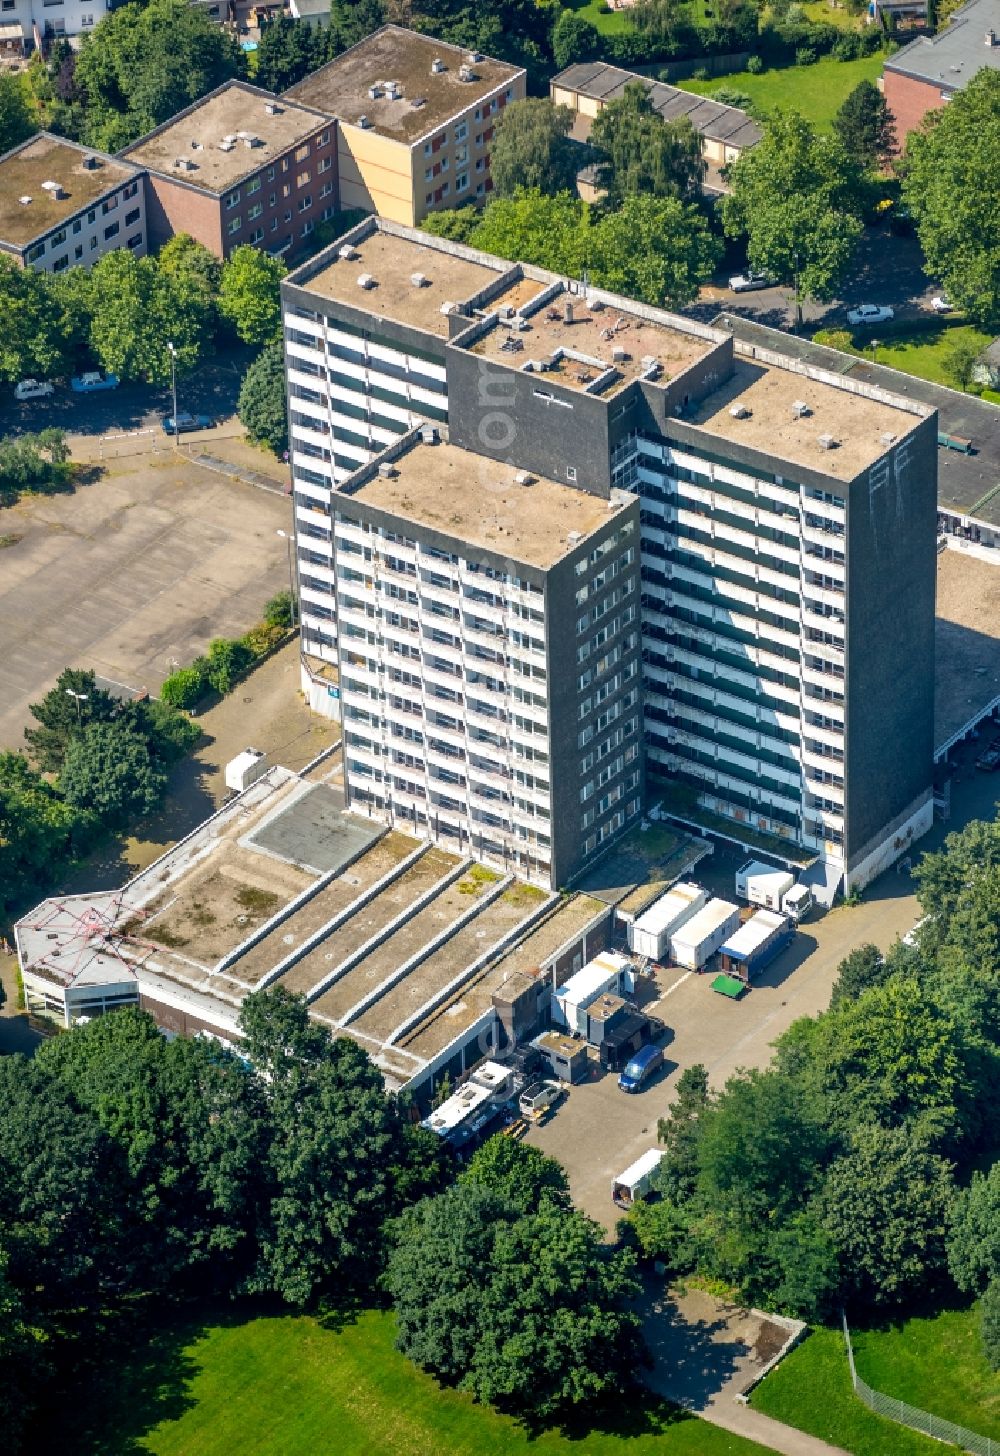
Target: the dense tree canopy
(250, 298)
(797, 198)
(641, 153)
(261, 405)
(532, 149)
(16, 121)
(109, 771)
(950, 186)
(37, 336)
(865, 126)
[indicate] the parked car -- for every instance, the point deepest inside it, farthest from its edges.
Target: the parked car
(640, 1068)
(186, 422)
(88, 383)
(989, 761)
(536, 1100)
(940, 303)
(870, 313)
(33, 389)
(746, 282)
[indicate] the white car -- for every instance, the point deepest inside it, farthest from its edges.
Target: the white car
(33, 389)
(746, 282)
(870, 313)
(940, 303)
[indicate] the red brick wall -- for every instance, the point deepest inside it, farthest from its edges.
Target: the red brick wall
(909, 101)
(173, 208)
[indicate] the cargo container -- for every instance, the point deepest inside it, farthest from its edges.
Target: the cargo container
(636, 1180)
(618, 1045)
(755, 944)
(773, 889)
(607, 972)
(604, 1015)
(696, 942)
(649, 935)
(567, 1058)
(245, 769)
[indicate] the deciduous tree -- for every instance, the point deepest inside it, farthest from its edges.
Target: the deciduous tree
(16, 121)
(250, 297)
(262, 407)
(574, 39)
(532, 149)
(72, 705)
(108, 770)
(641, 153)
(656, 249)
(522, 1175)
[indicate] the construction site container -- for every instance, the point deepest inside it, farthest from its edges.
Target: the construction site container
(607, 972)
(245, 769)
(567, 1058)
(756, 943)
(696, 942)
(604, 1015)
(650, 934)
(628, 1036)
(637, 1179)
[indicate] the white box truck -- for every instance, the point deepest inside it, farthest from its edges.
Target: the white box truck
(649, 934)
(772, 889)
(696, 942)
(636, 1180)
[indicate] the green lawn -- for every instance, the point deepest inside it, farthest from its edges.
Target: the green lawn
(816, 91)
(923, 351)
(613, 22)
(811, 1389)
(822, 13)
(286, 1386)
(937, 1365)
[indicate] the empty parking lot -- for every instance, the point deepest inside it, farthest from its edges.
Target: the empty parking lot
(131, 575)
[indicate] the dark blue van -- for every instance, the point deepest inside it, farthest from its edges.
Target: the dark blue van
(640, 1068)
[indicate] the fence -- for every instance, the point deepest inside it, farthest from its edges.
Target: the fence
(917, 1420)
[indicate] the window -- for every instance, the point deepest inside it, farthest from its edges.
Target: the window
(257, 236)
(461, 181)
(325, 163)
(461, 156)
(479, 164)
(274, 224)
(302, 152)
(461, 131)
(61, 263)
(130, 190)
(93, 243)
(77, 224)
(307, 228)
(270, 174)
(285, 164)
(288, 215)
(135, 241)
(570, 472)
(131, 217)
(305, 203)
(57, 238)
(111, 231)
(92, 216)
(326, 190)
(303, 179)
(7, 5)
(324, 139)
(254, 185)
(234, 225)
(254, 211)
(78, 252)
(286, 189)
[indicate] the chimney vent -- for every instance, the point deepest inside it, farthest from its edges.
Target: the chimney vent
(800, 409)
(363, 123)
(740, 412)
(991, 38)
(366, 281)
(429, 434)
(827, 442)
(54, 189)
(387, 470)
(419, 280)
(568, 311)
(347, 253)
(90, 163)
(437, 66)
(375, 92)
(523, 477)
(619, 355)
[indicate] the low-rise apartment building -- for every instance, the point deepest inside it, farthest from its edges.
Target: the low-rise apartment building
(63, 205)
(415, 121)
(926, 74)
(787, 536)
(240, 166)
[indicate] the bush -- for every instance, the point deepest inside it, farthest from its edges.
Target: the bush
(836, 339)
(228, 660)
(278, 611)
(754, 66)
(262, 639)
(183, 688)
(989, 1324)
(805, 56)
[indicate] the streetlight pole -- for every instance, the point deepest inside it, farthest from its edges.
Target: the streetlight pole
(291, 576)
(79, 698)
(173, 390)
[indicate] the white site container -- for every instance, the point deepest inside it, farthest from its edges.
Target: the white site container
(636, 1179)
(649, 935)
(607, 972)
(245, 769)
(696, 942)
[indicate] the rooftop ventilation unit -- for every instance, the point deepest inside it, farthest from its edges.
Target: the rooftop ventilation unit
(449, 308)
(573, 537)
(594, 303)
(888, 438)
(429, 434)
(24, 201)
(249, 140)
(519, 324)
(466, 73)
(568, 311)
(184, 164)
(474, 57)
(393, 91)
(511, 345)
(506, 311)
(366, 281)
(827, 442)
(54, 189)
(740, 412)
(387, 470)
(991, 38)
(90, 163)
(347, 253)
(417, 101)
(437, 66)
(800, 409)
(271, 108)
(227, 145)
(419, 280)
(363, 123)
(375, 92)
(523, 477)
(619, 355)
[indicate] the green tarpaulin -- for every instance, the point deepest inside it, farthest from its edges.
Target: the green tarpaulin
(729, 986)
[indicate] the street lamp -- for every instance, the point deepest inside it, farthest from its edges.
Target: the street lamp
(80, 698)
(291, 575)
(173, 389)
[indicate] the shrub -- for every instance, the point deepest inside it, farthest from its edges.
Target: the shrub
(836, 339)
(228, 659)
(183, 688)
(805, 56)
(989, 1326)
(278, 611)
(262, 639)
(754, 66)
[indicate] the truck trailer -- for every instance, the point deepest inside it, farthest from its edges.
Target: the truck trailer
(697, 941)
(772, 889)
(649, 935)
(755, 944)
(637, 1179)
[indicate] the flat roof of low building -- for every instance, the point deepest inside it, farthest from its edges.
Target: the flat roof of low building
(47, 158)
(968, 485)
(603, 83)
(767, 399)
(226, 135)
(967, 640)
(950, 59)
(425, 98)
(391, 260)
(596, 343)
(477, 500)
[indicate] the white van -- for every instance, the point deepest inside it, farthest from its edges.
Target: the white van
(536, 1100)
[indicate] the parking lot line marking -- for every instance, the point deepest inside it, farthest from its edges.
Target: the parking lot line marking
(686, 977)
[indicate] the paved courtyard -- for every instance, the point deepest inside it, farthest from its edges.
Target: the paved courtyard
(131, 575)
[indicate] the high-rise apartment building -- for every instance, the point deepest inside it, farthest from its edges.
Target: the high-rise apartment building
(787, 540)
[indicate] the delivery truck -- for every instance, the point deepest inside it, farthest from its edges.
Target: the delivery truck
(697, 941)
(772, 889)
(637, 1180)
(649, 934)
(755, 944)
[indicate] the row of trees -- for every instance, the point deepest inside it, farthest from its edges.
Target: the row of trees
(33, 462)
(95, 763)
(833, 1176)
(120, 314)
(136, 1171)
